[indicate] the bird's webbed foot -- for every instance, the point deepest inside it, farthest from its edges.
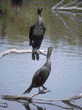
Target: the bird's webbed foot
(44, 88)
(40, 91)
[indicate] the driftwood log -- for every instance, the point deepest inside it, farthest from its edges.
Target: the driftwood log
(21, 51)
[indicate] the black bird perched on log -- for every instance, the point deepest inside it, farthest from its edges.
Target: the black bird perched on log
(36, 34)
(41, 75)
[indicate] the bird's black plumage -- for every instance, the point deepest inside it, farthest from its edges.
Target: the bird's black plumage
(42, 74)
(36, 34)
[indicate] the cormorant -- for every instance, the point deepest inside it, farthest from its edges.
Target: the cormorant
(41, 75)
(36, 34)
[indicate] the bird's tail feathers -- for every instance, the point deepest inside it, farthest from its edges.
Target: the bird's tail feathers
(27, 90)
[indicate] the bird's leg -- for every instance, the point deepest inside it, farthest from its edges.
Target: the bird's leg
(33, 56)
(37, 56)
(40, 91)
(44, 88)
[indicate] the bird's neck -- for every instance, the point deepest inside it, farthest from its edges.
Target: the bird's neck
(39, 18)
(48, 61)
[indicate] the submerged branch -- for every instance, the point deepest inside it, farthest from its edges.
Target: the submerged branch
(20, 51)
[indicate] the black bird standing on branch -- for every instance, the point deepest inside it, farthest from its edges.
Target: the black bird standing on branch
(41, 75)
(36, 34)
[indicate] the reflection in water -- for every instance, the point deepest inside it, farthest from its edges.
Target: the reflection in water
(16, 4)
(39, 108)
(70, 106)
(52, 104)
(27, 106)
(3, 29)
(73, 106)
(64, 32)
(3, 105)
(1, 12)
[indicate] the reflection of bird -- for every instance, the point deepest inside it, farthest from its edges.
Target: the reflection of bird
(38, 107)
(17, 4)
(42, 74)
(36, 34)
(1, 12)
(26, 105)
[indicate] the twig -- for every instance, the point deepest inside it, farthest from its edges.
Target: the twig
(69, 8)
(64, 22)
(70, 13)
(70, 3)
(72, 98)
(64, 7)
(54, 7)
(43, 92)
(20, 51)
(74, 17)
(79, 3)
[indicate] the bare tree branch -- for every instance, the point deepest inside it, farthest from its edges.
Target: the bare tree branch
(69, 8)
(17, 97)
(64, 7)
(74, 17)
(70, 13)
(54, 7)
(43, 92)
(65, 23)
(79, 3)
(74, 2)
(20, 52)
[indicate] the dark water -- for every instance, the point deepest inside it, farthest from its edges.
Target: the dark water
(64, 33)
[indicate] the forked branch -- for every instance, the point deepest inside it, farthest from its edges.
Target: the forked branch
(65, 7)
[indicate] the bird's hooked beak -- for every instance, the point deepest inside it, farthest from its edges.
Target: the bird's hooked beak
(40, 8)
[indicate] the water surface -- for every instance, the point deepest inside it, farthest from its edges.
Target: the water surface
(63, 32)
